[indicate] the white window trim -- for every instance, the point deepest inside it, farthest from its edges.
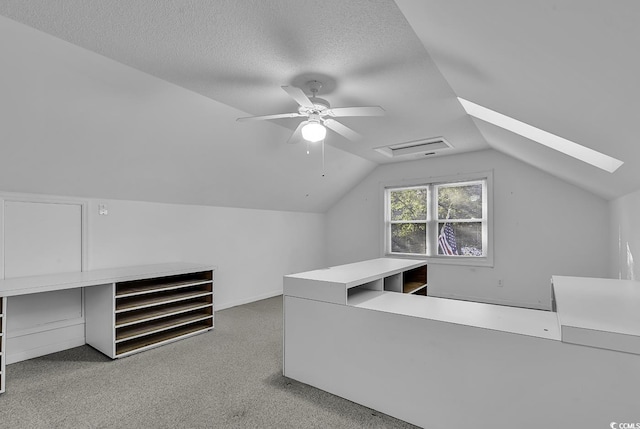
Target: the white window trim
(484, 261)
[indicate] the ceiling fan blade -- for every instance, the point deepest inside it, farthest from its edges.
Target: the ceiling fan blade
(357, 111)
(298, 95)
(341, 129)
(296, 137)
(277, 116)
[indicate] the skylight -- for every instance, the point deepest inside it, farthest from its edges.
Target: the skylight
(545, 138)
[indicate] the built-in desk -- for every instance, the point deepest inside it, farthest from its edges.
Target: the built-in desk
(127, 309)
(533, 323)
(444, 363)
(601, 313)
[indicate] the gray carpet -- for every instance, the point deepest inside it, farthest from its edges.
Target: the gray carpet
(228, 378)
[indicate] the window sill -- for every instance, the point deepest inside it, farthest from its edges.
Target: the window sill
(444, 260)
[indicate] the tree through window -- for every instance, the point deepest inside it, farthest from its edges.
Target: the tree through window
(438, 219)
(409, 220)
(460, 216)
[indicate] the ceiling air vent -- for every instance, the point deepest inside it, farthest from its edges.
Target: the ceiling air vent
(416, 148)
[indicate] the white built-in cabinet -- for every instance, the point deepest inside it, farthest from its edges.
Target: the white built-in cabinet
(127, 309)
(418, 358)
(127, 317)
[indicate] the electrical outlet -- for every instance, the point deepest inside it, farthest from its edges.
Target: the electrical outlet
(500, 284)
(103, 210)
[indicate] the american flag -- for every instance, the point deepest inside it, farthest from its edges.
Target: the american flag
(447, 240)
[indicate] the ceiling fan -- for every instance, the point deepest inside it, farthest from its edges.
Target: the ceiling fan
(319, 115)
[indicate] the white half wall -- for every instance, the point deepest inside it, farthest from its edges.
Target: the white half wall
(252, 249)
(625, 236)
(542, 226)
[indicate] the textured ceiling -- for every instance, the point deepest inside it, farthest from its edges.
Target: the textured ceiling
(567, 66)
(241, 52)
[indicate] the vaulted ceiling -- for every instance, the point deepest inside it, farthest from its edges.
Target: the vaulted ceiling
(569, 67)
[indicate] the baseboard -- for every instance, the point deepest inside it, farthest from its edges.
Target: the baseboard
(247, 300)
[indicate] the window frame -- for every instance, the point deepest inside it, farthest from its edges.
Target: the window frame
(432, 222)
(389, 222)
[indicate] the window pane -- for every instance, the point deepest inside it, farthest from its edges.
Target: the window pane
(409, 238)
(408, 204)
(460, 202)
(464, 239)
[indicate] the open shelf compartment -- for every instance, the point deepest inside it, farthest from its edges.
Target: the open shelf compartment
(375, 285)
(159, 338)
(162, 298)
(146, 286)
(132, 317)
(132, 331)
(393, 283)
(415, 281)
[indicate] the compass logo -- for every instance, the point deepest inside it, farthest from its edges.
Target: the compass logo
(614, 425)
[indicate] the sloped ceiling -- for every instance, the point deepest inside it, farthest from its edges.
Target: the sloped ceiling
(567, 67)
(75, 123)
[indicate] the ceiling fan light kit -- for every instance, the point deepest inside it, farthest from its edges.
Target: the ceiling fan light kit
(313, 131)
(319, 115)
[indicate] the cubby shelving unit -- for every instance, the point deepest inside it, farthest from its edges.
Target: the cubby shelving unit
(413, 281)
(127, 309)
(131, 316)
(3, 339)
(352, 283)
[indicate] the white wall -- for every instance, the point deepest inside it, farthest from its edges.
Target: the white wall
(542, 226)
(252, 249)
(625, 236)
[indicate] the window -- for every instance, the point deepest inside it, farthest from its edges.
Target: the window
(408, 213)
(460, 218)
(444, 220)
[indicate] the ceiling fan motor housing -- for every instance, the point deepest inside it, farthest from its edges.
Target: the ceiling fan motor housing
(316, 110)
(320, 106)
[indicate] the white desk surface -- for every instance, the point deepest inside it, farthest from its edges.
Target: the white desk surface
(51, 282)
(609, 305)
(360, 272)
(535, 323)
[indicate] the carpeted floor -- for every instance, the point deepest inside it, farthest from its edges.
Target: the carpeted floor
(228, 378)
